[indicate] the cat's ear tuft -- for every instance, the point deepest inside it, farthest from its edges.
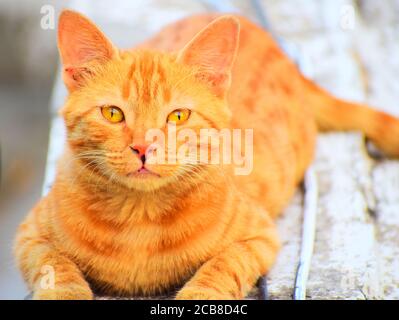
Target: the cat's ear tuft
(81, 45)
(213, 51)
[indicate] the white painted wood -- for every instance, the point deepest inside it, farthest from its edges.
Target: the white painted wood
(345, 264)
(310, 208)
(386, 189)
(378, 47)
(57, 133)
(281, 279)
(350, 63)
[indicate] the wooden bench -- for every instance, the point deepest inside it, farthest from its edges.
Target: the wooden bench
(356, 242)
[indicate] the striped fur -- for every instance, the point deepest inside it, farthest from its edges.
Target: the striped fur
(201, 227)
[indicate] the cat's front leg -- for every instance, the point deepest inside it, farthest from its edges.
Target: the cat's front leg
(69, 282)
(49, 274)
(234, 271)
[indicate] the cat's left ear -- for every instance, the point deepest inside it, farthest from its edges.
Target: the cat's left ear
(213, 51)
(81, 45)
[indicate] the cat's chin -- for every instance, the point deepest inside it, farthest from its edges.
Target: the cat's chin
(144, 181)
(143, 173)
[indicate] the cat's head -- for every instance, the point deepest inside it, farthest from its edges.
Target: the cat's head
(116, 97)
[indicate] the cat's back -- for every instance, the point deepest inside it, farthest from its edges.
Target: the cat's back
(262, 75)
(267, 94)
(254, 42)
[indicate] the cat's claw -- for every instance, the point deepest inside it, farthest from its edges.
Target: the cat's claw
(63, 293)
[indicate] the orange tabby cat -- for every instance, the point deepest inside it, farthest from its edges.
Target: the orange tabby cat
(117, 224)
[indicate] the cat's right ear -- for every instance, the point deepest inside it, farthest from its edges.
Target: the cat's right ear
(81, 45)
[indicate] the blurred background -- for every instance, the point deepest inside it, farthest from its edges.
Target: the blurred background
(28, 59)
(317, 29)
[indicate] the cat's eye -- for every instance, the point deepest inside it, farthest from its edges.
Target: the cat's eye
(112, 114)
(179, 116)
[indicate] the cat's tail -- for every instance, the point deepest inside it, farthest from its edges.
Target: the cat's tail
(335, 114)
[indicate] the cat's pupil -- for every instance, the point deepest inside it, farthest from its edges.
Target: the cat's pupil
(178, 115)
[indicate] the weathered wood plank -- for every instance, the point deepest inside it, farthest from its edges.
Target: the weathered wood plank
(378, 50)
(386, 189)
(344, 265)
(332, 52)
(281, 279)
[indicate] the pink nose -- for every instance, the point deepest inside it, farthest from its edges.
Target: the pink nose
(140, 150)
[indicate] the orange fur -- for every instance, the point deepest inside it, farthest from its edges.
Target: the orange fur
(200, 226)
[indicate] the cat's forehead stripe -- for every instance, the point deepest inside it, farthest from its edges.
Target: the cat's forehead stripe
(147, 75)
(127, 84)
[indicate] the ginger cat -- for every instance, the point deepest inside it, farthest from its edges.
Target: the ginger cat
(115, 223)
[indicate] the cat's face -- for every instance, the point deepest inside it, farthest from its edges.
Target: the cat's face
(120, 100)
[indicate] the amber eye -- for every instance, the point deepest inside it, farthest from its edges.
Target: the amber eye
(112, 114)
(179, 116)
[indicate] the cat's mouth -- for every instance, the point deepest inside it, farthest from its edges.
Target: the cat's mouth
(143, 173)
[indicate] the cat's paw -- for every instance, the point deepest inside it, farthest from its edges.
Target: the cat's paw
(200, 293)
(63, 293)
